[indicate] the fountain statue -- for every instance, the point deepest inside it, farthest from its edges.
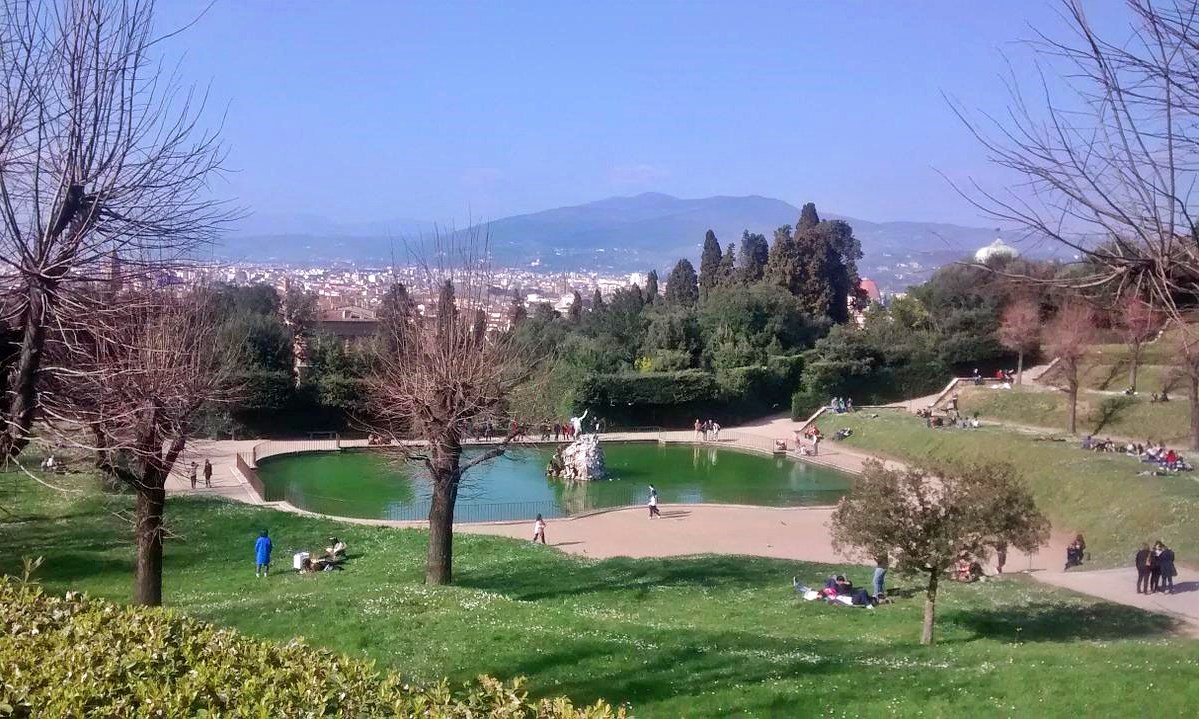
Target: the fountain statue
(582, 459)
(577, 423)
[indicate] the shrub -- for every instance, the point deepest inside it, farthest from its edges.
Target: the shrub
(75, 657)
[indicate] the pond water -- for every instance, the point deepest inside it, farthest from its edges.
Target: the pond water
(370, 484)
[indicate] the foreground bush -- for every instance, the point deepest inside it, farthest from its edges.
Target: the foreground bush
(77, 657)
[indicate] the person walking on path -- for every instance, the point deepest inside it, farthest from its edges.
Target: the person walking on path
(262, 555)
(1143, 568)
(1000, 557)
(1165, 563)
(207, 473)
(880, 575)
(653, 503)
(539, 530)
(191, 474)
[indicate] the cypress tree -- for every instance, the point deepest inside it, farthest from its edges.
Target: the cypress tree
(575, 313)
(728, 267)
(783, 261)
(517, 312)
(754, 252)
(651, 287)
(682, 287)
(709, 264)
(597, 301)
(808, 219)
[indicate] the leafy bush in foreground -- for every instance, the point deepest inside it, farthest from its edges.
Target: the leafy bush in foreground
(78, 657)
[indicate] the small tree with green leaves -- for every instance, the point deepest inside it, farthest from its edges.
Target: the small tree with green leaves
(924, 518)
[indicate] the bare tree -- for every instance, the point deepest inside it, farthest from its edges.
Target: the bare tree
(1108, 145)
(103, 170)
(923, 519)
(1069, 338)
(1139, 322)
(133, 379)
(439, 378)
(1020, 330)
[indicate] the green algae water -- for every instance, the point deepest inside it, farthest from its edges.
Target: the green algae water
(369, 484)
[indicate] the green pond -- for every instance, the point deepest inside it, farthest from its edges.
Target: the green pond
(369, 484)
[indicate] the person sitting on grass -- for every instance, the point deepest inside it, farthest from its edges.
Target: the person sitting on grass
(336, 549)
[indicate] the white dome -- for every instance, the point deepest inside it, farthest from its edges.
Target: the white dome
(996, 249)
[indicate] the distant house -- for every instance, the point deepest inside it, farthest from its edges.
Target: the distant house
(349, 323)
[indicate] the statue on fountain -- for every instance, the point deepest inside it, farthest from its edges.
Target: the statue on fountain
(582, 459)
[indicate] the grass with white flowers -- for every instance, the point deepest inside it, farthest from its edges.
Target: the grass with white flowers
(696, 637)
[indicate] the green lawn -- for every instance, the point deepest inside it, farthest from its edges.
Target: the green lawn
(695, 637)
(1099, 495)
(1099, 414)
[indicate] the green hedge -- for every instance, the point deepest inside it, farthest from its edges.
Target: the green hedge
(76, 657)
(654, 388)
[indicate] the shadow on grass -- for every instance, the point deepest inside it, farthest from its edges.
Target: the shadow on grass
(527, 580)
(1049, 622)
(1109, 411)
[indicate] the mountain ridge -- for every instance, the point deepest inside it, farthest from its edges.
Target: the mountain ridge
(613, 234)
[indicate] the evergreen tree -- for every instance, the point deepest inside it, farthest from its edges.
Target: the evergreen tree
(727, 274)
(808, 219)
(754, 253)
(396, 310)
(651, 287)
(682, 287)
(812, 282)
(783, 261)
(575, 313)
(517, 312)
(447, 309)
(842, 252)
(597, 301)
(709, 264)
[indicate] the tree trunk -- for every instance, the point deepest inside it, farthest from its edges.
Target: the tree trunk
(1020, 367)
(446, 471)
(1071, 407)
(23, 388)
(151, 502)
(930, 608)
(1194, 397)
(1132, 370)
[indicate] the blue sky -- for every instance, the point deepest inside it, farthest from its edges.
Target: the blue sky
(368, 110)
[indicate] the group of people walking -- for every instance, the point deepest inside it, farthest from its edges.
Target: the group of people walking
(1155, 569)
(707, 431)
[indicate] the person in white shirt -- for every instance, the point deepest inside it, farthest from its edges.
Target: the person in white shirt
(539, 529)
(653, 505)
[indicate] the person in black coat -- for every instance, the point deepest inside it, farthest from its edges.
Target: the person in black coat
(1165, 565)
(1155, 570)
(1142, 564)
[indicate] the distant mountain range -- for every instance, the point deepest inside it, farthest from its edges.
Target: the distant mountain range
(619, 234)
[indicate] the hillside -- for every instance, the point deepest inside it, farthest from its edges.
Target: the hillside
(618, 234)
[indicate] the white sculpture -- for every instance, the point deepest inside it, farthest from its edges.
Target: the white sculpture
(577, 423)
(583, 459)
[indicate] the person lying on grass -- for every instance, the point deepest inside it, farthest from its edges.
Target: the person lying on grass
(837, 590)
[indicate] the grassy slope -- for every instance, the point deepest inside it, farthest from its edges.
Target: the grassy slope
(1099, 495)
(1099, 414)
(708, 636)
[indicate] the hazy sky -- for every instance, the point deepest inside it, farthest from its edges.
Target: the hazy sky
(438, 110)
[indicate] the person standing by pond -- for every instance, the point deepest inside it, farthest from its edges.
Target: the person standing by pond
(262, 555)
(207, 473)
(539, 530)
(653, 503)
